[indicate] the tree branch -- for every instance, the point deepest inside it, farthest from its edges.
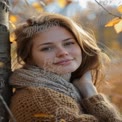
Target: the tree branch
(107, 10)
(7, 108)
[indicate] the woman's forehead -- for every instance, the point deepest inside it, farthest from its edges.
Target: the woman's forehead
(53, 34)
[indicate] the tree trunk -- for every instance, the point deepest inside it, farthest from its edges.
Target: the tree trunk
(5, 63)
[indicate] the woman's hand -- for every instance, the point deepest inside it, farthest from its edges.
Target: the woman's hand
(85, 85)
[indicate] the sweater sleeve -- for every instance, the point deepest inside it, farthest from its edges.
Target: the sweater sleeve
(100, 107)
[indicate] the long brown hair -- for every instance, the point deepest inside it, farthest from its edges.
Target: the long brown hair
(91, 53)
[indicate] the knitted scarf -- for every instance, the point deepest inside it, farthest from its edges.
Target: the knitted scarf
(32, 76)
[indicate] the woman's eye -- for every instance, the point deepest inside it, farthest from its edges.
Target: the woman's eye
(46, 49)
(69, 43)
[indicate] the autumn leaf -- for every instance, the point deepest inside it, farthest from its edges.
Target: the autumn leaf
(118, 27)
(117, 23)
(43, 115)
(13, 18)
(62, 3)
(12, 24)
(12, 37)
(62, 120)
(113, 22)
(37, 6)
(120, 8)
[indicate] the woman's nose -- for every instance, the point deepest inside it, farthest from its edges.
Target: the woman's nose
(61, 52)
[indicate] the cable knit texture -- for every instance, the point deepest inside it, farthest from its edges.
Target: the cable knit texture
(36, 100)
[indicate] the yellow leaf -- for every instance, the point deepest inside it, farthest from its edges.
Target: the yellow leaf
(62, 3)
(43, 115)
(12, 24)
(113, 22)
(120, 8)
(12, 37)
(13, 18)
(118, 27)
(62, 120)
(37, 6)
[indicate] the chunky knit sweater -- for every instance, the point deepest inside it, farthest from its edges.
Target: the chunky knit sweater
(46, 105)
(37, 99)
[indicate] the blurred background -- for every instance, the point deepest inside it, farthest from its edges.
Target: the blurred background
(93, 16)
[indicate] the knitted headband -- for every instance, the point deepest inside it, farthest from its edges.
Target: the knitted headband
(35, 27)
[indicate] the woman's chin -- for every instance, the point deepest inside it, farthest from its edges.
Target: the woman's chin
(65, 70)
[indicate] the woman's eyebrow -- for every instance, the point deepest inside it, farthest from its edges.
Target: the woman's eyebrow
(50, 43)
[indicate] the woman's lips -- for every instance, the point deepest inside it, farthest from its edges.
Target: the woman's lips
(64, 62)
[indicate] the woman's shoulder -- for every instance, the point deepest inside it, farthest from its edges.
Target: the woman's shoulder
(32, 91)
(40, 99)
(26, 102)
(42, 93)
(42, 96)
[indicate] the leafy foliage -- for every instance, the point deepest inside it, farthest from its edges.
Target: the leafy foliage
(116, 22)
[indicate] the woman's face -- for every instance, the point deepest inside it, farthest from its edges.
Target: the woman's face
(56, 50)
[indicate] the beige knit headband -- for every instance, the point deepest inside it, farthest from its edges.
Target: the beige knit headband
(35, 27)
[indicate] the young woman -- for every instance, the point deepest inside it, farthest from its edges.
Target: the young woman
(56, 82)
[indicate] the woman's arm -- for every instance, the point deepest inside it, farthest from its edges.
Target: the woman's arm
(95, 103)
(99, 106)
